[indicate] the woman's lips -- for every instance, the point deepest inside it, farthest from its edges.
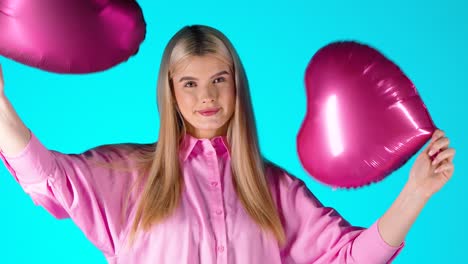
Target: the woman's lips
(209, 112)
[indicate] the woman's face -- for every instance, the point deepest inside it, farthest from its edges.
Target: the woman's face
(204, 83)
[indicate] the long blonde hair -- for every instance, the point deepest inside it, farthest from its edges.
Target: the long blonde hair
(161, 174)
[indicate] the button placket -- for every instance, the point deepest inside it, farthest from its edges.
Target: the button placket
(217, 203)
(218, 194)
(220, 248)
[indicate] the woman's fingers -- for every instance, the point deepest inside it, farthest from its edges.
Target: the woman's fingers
(447, 154)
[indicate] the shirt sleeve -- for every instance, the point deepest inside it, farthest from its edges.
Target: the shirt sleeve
(71, 186)
(319, 234)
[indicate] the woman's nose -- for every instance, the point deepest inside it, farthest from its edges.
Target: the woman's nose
(208, 100)
(208, 94)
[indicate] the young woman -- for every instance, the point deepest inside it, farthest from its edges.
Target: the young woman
(203, 193)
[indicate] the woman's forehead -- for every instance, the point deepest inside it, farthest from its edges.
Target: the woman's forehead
(201, 65)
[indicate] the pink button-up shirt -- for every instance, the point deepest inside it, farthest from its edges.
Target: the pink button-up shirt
(210, 225)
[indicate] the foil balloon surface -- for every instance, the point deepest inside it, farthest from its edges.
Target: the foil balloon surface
(364, 117)
(70, 36)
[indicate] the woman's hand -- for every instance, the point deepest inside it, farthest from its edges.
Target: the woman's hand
(433, 167)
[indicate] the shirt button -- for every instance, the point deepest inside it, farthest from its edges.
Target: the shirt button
(220, 248)
(219, 212)
(214, 184)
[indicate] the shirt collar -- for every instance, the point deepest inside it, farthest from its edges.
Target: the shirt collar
(192, 145)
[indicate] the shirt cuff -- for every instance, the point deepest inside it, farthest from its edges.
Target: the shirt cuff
(377, 250)
(33, 164)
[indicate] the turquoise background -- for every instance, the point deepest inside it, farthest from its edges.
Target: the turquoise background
(275, 40)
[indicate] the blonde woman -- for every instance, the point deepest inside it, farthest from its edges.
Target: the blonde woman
(203, 193)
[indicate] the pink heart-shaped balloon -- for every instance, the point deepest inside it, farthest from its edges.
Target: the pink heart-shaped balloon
(364, 118)
(70, 36)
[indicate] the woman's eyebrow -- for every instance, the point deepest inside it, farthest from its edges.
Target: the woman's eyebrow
(186, 78)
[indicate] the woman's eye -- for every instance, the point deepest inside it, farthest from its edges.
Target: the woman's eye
(220, 79)
(189, 84)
